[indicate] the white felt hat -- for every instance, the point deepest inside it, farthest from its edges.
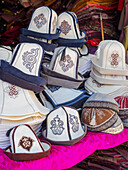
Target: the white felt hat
(63, 69)
(68, 23)
(25, 145)
(18, 106)
(42, 28)
(24, 70)
(71, 35)
(63, 126)
(109, 66)
(43, 20)
(17, 103)
(110, 58)
(6, 125)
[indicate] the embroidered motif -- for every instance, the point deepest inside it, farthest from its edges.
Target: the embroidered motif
(66, 64)
(53, 88)
(87, 113)
(54, 24)
(12, 90)
(114, 59)
(40, 20)
(65, 27)
(26, 143)
(96, 83)
(29, 58)
(91, 113)
(57, 126)
(74, 122)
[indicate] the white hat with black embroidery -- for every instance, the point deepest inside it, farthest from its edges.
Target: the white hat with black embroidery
(63, 69)
(63, 126)
(109, 66)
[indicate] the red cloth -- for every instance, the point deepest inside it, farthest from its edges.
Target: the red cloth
(120, 5)
(63, 157)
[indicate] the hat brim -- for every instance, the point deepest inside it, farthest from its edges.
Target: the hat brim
(105, 79)
(116, 128)
(29, 156)
(109, 71)
(70, 142)
(57, 79)
(92, 86)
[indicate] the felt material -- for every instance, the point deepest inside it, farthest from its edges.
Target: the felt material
(59, 96)
(93, 86)
(62, 157)
(25, 145)
(6, 53)
(63, 126)
(45, 45)
(6, 67)
(63, 69)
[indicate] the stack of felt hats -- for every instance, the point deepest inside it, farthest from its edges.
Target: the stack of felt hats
(109, 66)
(19, 79)
(100, 114)
(61, 70)
(71, 36)
(109, 69)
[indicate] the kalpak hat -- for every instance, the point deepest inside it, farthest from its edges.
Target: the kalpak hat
(63, 69)
(25, 145)
(99, 112)
(63, 126)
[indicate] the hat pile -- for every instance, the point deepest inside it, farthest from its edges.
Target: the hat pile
(72, 36)
(109, 69)
(19, 105)
(123, 109)
(100, 114)
(109, 66)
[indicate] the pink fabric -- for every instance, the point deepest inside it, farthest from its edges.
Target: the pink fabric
(62, 157)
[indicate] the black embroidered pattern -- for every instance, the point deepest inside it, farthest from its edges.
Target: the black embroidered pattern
(74, 122)
(114, 60)
(29, 58)
(26, 143)
(57, 126)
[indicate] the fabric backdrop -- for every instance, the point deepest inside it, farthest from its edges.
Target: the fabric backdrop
(63, 157)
